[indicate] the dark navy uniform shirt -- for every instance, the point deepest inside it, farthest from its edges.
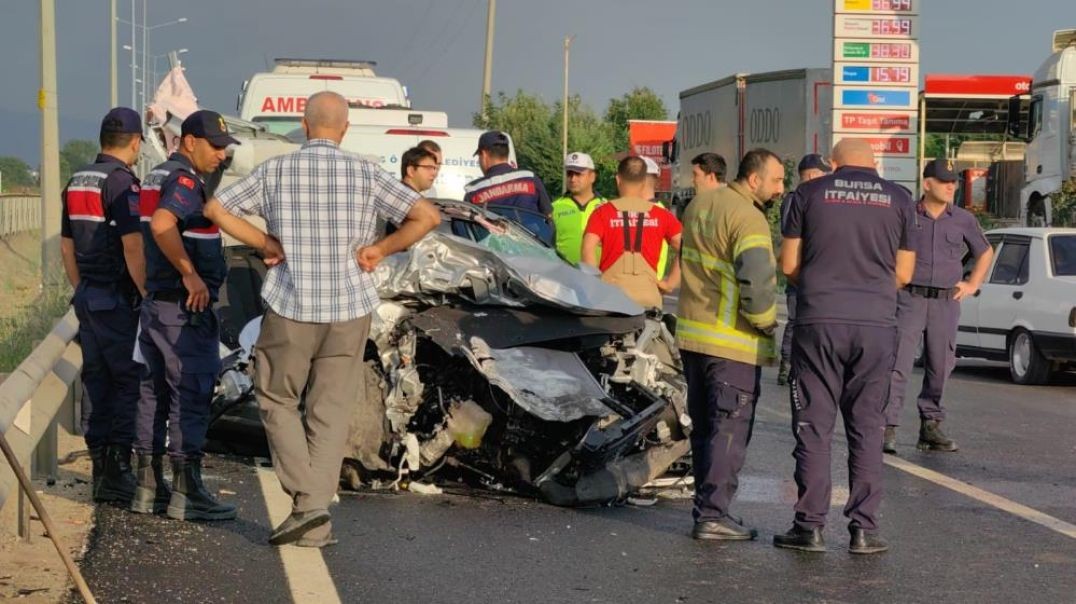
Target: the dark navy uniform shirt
(100, 205)
(851, 224)
(940, 242)
(504, 185)
(174, 186)
(790, 287)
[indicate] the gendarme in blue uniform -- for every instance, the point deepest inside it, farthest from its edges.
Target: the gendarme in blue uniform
(181, 347)
(100, 206)
(850, 223)
(504, 189)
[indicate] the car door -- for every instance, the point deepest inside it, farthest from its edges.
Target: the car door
(967, 335)
(1000, 296)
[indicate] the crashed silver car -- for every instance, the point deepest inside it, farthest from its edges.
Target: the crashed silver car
(492, 359)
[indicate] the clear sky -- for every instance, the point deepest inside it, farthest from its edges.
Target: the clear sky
(435, 47)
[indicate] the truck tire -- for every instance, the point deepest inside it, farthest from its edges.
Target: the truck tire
(1027, 366)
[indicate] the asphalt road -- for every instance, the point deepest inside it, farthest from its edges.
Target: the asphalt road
(1017, 446)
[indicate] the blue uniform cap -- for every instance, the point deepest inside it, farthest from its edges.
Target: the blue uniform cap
(814, 161)
(208, 125)
(488, 139)
(122, 120)
(941, 169)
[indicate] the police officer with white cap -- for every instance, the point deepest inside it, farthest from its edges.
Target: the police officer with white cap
(571, 212)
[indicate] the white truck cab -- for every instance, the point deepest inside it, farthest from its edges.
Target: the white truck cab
(1051, 131)
(277, 98)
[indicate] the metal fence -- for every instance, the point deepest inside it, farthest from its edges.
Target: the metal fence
(37, 398)
(19, 213)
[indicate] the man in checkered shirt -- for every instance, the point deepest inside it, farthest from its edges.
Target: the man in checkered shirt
(321, 206)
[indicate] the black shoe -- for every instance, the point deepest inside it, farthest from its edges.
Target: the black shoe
(782, 373)
(297, 525)
(865, 542)
(190, 500)
(931, 437)
(889, 440)
(152, 495)
(97, 464)
(118, 481)
(725, 529)
(801, 539)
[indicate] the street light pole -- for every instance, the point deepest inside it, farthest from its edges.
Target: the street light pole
(487, 68)
(114, 97)
(564, 109)
(50, 149)
(145, 56)
(134, 63)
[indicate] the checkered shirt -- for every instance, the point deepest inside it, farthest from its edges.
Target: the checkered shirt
(322, 204)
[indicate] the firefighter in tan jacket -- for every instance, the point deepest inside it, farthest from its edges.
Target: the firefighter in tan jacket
(725, 325)
(630, 232)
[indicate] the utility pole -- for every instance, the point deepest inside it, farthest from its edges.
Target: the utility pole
(564, 109)
(114, 98)
(50, 150)
(134, 63)
(145, 57)
(487, 69)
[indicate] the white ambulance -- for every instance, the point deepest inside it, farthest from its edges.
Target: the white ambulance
(277, 99)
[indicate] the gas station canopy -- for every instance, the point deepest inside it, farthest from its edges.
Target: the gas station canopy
(971, 104)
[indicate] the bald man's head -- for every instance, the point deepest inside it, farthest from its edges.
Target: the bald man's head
(326, 116)
(853, 152)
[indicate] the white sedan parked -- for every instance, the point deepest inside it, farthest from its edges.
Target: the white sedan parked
(1025, 312)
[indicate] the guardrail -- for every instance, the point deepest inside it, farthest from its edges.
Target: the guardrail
(19, 213)
(35, 399)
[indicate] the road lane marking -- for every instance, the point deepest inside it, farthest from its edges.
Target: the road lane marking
(968, 490)
(304, 567)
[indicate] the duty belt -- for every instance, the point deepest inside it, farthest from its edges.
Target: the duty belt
(169, 295)
(930, 292)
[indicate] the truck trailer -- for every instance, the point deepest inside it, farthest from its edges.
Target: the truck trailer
(788, 112)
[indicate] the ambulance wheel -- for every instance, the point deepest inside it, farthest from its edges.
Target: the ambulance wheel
(1026, 364)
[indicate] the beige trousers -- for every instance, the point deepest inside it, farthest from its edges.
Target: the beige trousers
(320, 363)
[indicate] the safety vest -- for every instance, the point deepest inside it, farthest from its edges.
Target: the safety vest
(570, 221)
(719, 226)
(663, 259)
(98, 248)
(631, 272)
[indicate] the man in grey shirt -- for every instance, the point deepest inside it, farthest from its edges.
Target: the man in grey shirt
(322, 205)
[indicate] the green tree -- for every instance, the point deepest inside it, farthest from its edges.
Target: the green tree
(639, 104)
(75, 154)
(16, 174)
(535, 128)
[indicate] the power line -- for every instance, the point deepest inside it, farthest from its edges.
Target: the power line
(440, 54)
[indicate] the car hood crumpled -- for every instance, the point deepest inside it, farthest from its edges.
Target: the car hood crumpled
(442, 264)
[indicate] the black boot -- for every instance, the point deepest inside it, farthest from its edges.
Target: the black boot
(802, 539)
(782, 372)
(190, 500)
(931, 437)
(866, 542)
(118, 482)
(98, 456)
(152, 495)
(889, 440)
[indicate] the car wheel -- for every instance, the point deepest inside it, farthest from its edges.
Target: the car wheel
(1026, 363)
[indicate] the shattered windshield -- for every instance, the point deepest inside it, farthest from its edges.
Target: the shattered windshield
(496, 234)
